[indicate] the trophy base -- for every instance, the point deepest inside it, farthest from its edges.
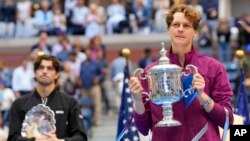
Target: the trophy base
(168, 123)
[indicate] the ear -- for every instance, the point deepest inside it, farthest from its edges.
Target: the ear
(195, 34)
(57, 75)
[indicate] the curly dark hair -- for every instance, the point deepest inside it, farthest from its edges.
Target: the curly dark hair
(54, 60)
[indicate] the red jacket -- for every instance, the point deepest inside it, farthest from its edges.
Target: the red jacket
(194, 117)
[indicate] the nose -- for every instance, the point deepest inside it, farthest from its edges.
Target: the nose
(181, 28)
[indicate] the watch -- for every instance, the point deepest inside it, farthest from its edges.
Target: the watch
(207, 102)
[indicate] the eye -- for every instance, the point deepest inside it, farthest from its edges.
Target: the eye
(40, 67)
(176, 25)
(50, 68)
(187, 26)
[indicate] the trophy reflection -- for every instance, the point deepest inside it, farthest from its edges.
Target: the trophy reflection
(165, 86)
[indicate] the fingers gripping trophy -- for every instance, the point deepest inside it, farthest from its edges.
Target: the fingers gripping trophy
(165, 82)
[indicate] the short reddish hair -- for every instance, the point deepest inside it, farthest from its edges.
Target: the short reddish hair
(193, 16)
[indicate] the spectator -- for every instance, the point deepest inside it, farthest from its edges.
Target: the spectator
(44, 18)
(104, 83)
(224, 36)
(67, 80)
(90, 78)
(63, 54)
(8, 19)
(205, 40)
(147, 58)
(195, 5)
(101, 12)
(58, 21)
(245, 24)
(95, 46)
(23, 81)
(62, 40)
(7, 96)
(160, 15)
(25, 24)
(68, 7)
(42, 44)
(79, 50)
(117, 75)
(74, 64)
(5, 74)
(142, 15)
(93, 22)
(210, 8)
(3, 129)
(78, 18)
(116, 19)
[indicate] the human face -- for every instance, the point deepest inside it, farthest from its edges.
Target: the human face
(46, 73)
(181, 31)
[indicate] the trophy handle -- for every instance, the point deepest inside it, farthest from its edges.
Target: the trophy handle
(139, 72)
(191, 68)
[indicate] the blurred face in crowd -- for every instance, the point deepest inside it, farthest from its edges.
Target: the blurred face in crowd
(46, 73)
(115, 1)
(45, 5)
(80, 2)
(44, 37)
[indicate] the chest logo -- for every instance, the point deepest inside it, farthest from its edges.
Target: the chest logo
(59, 112)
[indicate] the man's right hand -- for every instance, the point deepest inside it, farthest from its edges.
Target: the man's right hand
(135, 88)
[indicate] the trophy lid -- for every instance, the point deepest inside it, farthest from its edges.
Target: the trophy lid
(164, 65)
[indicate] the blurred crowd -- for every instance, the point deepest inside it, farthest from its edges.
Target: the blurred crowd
(85, 71)
(27, 18)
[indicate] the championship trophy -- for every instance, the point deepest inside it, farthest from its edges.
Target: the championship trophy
(165, 86)
(38, 120)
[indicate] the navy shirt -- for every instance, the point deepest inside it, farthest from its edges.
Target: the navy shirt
(89, 72)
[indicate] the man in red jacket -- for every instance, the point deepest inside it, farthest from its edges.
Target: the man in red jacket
(208, 110)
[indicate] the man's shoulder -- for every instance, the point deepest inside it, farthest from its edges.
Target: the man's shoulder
(207, 60)
(209, 64)
(24, 98)
(65, 96)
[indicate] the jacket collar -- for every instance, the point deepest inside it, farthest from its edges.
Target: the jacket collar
(50, 97)
(174, 58)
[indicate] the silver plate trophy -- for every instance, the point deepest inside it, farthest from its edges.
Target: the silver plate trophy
(165, 86)
(38, 120)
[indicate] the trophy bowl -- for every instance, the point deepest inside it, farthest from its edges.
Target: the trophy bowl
(165, 86)
(38, 120)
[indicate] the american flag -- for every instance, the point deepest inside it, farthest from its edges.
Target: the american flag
(126, 130)
(242, 102)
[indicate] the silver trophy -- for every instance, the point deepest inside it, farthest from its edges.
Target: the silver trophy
(165, 86)
(38, 120)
